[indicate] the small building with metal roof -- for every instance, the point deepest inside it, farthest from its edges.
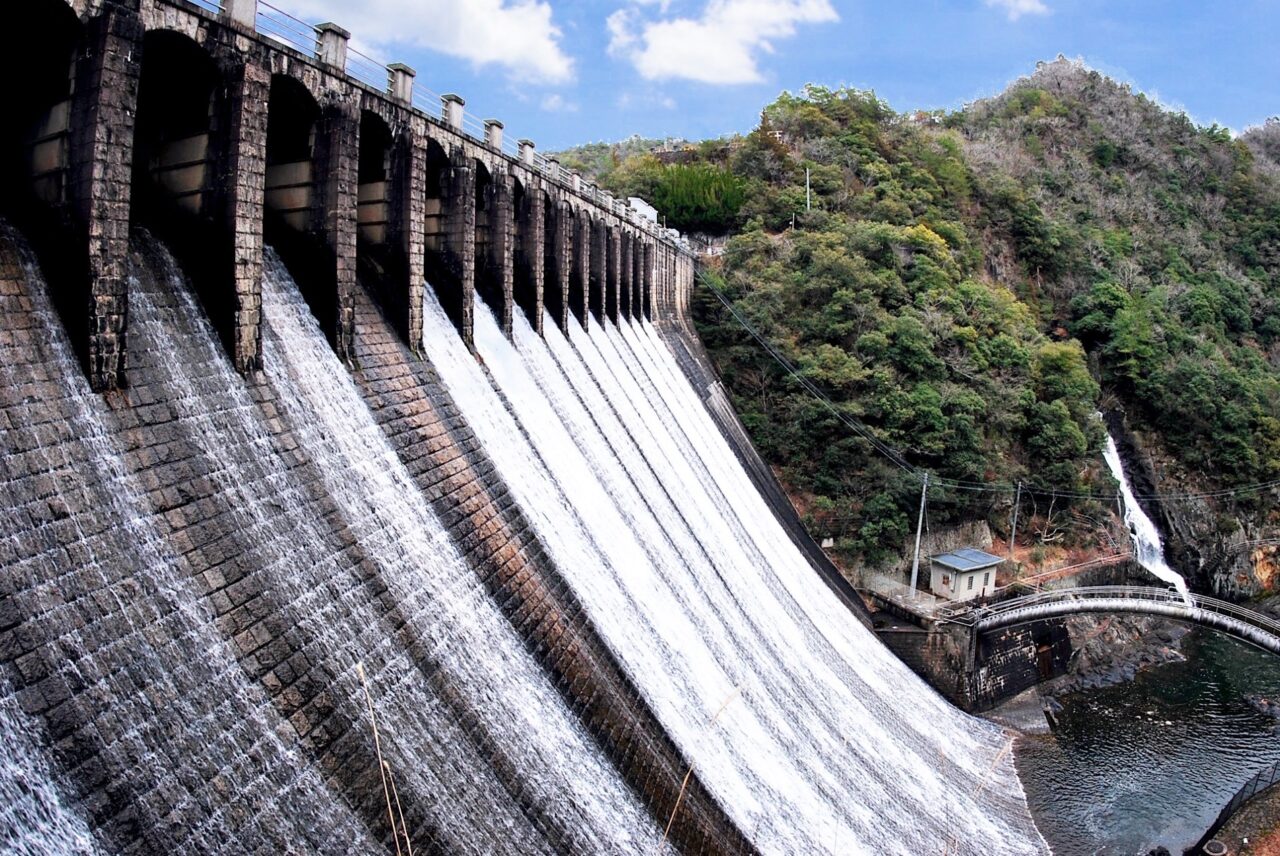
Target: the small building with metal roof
(963, 574)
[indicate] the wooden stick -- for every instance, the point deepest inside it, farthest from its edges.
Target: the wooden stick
(408, 842)
(377, 745)
(689, 773)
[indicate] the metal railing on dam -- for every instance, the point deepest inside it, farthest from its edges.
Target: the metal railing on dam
(1238, 621)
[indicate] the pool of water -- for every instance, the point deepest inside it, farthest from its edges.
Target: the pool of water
(1152, 762)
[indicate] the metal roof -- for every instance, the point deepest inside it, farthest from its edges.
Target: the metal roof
(967, 559)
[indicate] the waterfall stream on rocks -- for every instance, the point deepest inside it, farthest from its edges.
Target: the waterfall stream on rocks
(1148, 549)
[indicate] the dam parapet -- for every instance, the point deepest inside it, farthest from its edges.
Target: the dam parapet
(227, 122)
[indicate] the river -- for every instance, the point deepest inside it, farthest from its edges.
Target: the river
(1152, 762)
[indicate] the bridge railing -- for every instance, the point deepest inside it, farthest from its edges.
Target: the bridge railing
(211, 5)
(970, 615)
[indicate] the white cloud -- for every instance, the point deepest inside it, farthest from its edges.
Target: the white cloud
(1015, 9)
(722, 46)
(519, 35)
(556, 103)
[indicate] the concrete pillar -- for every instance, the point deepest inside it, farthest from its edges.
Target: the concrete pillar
(337, 163)
(451, 107)
(614, 274)
(575, 182)
(103, 114)
(331, 45)
(626, 275)
(493, 134)
(531, 255)
(407, 232)
(527, 152)
(460, 244)
(401, 82)
(249, 88)
(553, 169)
(242, 13)
(500, 264)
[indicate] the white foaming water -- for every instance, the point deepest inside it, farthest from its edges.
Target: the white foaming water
(823, 742)
(1148, 548)
(558, 766)
(153, 640)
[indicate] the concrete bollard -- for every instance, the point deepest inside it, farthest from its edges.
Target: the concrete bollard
(332, 45)
(493, 133)
(401, 87)
(242, 13)
(451, 110)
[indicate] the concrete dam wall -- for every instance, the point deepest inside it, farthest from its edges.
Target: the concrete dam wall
(325, 534)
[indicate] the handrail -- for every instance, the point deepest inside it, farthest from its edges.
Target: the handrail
(211, 5)
(295, 33)
(283, 27)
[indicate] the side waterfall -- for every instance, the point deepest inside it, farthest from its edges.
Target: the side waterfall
(1148, 548)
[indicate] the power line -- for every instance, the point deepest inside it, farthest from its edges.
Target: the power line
(936, 480)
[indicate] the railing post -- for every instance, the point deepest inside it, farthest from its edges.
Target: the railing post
(451, 107)
(331, 48)
(526, 152)
(493, 133)
(242, 13)
(401, 82)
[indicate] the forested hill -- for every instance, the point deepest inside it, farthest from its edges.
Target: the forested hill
(975, 286)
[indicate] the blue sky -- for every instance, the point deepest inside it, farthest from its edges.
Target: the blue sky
(563, 73)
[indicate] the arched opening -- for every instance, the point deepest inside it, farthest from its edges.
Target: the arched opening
(293, 217)
(528, 220)
(373, 196)
(626, 276)
(172, 149)
(489, 284)
(599, 269)
(292, 115)
(35, 151)
(36, 156)
(443, 263)
(553, 257)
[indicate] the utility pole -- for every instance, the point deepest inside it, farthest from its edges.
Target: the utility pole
(915, 562)
(1013, 532)
(808, 198)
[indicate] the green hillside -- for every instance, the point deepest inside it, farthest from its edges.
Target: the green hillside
(974, 286)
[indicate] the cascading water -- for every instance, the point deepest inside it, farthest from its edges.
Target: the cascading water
(810, 734)
(1148, 548)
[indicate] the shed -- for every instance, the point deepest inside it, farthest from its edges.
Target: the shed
(963, 574)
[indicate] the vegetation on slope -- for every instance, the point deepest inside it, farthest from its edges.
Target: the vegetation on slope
(967, 285)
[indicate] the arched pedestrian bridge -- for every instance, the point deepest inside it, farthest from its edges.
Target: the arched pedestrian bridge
(1240, 622)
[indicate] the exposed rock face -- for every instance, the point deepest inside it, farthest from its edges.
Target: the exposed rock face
(1207, 539)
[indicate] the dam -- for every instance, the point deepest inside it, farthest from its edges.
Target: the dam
(361, 497)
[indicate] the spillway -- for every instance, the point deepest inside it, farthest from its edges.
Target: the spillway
(578, 626)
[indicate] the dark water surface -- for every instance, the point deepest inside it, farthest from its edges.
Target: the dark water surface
(1152, 762)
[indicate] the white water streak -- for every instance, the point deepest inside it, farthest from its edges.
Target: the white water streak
(1148, 548)
(830, 744)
